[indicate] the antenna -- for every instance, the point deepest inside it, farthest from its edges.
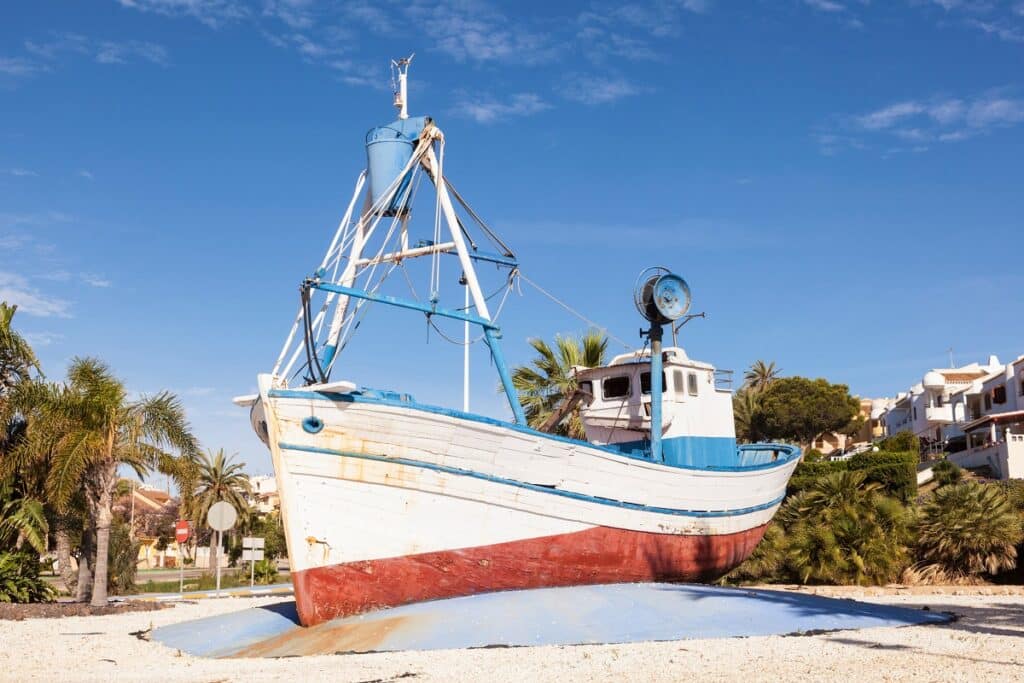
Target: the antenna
(401, 90)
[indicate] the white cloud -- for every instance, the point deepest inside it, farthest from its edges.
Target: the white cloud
(22, 172)
(19, 67)
(489, 110)
(213, 13)
(15, 289)
(119, 53)
(45, 54)
(995, 111)
(940, 119)
(85, 174)
(476, 32)
(43, 338)
(1008, 33)
(888, 116)
(599, 90)
(95, 280)
(825, 5)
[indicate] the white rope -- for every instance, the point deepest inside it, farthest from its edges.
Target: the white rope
(567, 307)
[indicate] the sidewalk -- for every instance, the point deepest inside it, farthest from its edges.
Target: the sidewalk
(239, 592)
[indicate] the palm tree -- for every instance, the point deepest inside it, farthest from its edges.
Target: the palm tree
(16, 356)
(760, 375)
(218, 479)
(22, 518)
(94, 429)
(969, 529)
(549, 377)
(745, 403)
(844, 530)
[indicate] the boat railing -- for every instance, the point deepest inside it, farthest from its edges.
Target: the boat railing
(723, 380)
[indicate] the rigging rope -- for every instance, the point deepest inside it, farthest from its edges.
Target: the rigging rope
(572, 311)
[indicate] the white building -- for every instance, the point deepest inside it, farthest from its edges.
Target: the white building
(927, 408)
(994, 424)
(974, 412)
(264, 497)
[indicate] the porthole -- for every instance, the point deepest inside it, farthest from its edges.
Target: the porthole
(313, 424)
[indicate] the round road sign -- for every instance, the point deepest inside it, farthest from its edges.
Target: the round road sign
(221, 516)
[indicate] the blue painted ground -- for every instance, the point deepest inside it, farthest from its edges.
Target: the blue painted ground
(621, 613)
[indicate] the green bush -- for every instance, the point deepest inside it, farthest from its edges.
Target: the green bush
(904, 441)
(896, 472)
(969, 529)
(20, 581)
(813, 455)
(842, 529)
(807, 473)
(946, 473)
(266, 571)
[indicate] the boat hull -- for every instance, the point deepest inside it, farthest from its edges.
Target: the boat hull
(386, 502)
(595, 556)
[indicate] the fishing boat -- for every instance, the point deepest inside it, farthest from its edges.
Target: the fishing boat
(386, 500)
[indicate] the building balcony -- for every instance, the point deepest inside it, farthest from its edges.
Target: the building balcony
(940, 414)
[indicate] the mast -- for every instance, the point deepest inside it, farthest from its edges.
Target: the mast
(401, 67)
(396, 153)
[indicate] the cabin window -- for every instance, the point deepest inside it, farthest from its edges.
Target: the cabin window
(677, 381)
(999, 394)
(645, 382)
(587, 388)
(691, 383)
(616, 387)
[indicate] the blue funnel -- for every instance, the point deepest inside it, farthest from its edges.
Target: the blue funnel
(388, 150)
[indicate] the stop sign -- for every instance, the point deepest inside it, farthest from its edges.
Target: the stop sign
(181, 530)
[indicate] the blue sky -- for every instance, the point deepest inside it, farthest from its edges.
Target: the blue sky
(839, 180)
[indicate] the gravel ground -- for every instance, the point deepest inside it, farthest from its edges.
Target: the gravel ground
(983, 644)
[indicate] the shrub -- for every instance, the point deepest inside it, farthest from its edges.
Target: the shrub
(841, 529)
(266, 571)
(946, 473)
(968, 530)
(902, 441)
(895, 472)
(807, 473)
(813, 455)
(20, 580)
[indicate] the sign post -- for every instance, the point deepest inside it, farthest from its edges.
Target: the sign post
(221, 517)
(181, 534)
(252, 550)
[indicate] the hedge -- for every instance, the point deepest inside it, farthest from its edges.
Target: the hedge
(896, 472)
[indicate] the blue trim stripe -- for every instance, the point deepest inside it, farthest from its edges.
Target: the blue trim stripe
(786, 452)
(534, 487)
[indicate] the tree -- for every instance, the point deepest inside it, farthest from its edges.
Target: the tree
(17, 359)
(967, 530)
(98, 429)
(549, 378)
(800, 409)
(745, 404)
(901, 441)
(218, 479)
(760, 375)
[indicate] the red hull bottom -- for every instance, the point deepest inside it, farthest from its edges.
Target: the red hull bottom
(594, 556)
